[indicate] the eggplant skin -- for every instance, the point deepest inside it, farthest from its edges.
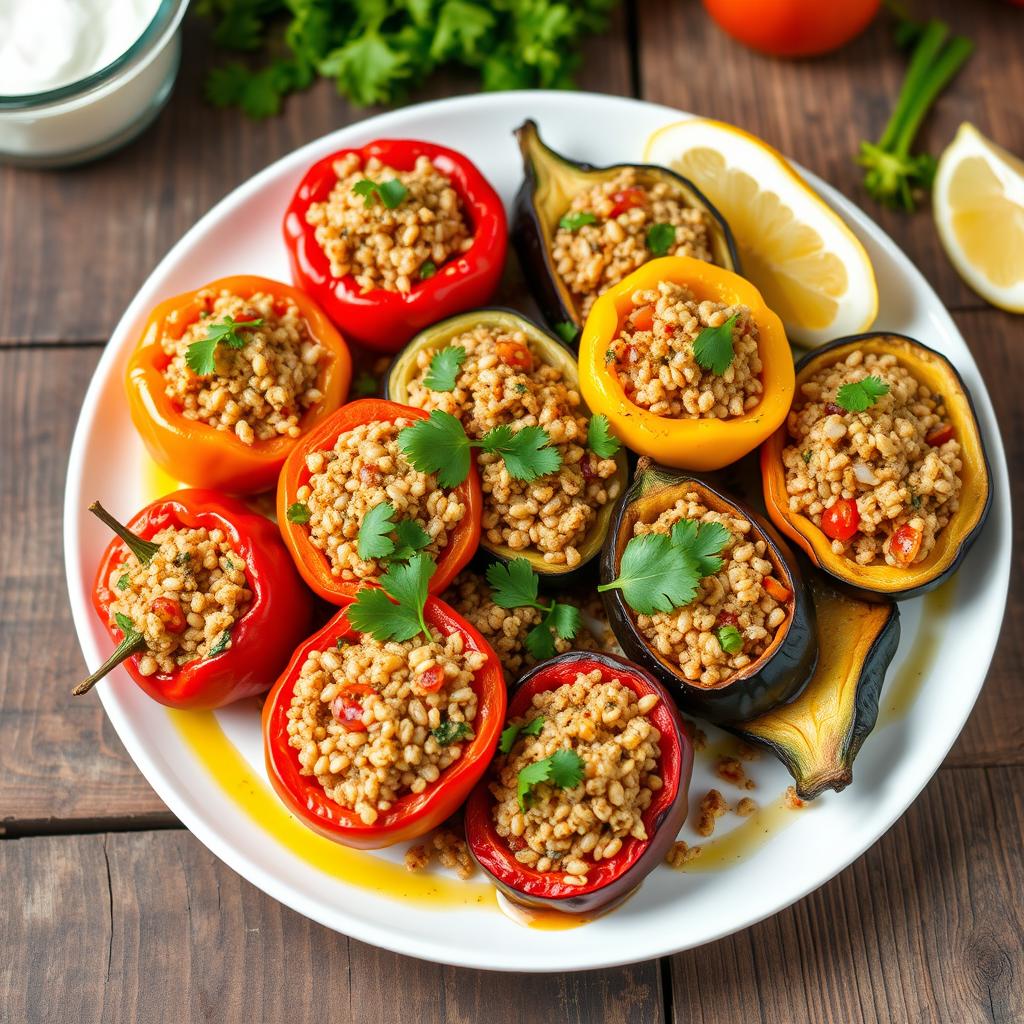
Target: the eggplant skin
(777, 676)
(529, 227)
(484, 841)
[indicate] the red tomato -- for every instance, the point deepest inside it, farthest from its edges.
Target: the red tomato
(627, 199)
(170, 614)
(940, 435)
(841, 519)
(511, 353)
(792, 28)
(431, 680)
(905, 544)
(347, 708)
(642, 318)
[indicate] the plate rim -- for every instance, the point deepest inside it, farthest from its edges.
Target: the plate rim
(375, 933)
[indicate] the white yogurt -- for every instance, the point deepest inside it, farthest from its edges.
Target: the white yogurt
(52, 44)
(45, 44)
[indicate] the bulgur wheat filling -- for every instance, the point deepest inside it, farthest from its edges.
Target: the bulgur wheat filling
(375, 721)
(898, 459)
(259, 391)
(654, 360)
(185, 600)
(387, 248)
(505, 629)
(734, 596)
(603, 250)
(363, 469)
(504, 380)
(567, 831)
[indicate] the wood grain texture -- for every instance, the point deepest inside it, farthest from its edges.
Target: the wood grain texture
(150, 927)
(925, 927)
(817, 111)
(118, 216)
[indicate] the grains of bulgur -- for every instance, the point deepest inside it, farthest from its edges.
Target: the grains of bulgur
(712, 806)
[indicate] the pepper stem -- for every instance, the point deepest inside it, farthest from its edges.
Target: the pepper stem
(131, 643)
(143, 550)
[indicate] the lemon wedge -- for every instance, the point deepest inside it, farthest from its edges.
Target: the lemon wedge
(805, 261)
(978, 202)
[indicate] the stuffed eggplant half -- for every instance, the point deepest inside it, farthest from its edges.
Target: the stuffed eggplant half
(579, 229)
(701, 591)
(559, 823)
(497, 383)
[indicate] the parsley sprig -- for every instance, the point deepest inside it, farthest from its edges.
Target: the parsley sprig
(444, 368)
(575, 220)
(564, 769)
(516, 586)
(660, 571)
(713, 349)
(200, 354)
(660, 239)
(859, 395)
(512, 732)
(382, 537)
(600, 439)
(390, 192)
(449, 732)
(395, 610)
(439, 445)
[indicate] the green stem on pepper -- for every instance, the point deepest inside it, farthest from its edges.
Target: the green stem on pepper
(132, 643)
(143, 550)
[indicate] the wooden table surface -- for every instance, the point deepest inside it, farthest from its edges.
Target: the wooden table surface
(112, 911)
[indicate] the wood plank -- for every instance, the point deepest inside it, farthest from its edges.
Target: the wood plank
(126, 211)
(817, 111)
(152, 927)
(927, 926)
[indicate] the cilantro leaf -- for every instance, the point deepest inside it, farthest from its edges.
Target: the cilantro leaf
(574, 221)
(859, 395)
(390, 192)
(655, 575)
(730, 639)
(660, 239)
(511, 733)
(199, 356)
(368, 67)
(124, 581)
(540, 642)
(703, 541)
(566, 769)
(567, 331)
(444, 368)
(428, 268)
(527, 453)
(437, 445)
(410, 537)
(513, 585)
(298, 512)
(407, 585)
(221, 644)
(374, 539)
(450, 732)
(564, 619)
(530, 776)
(713, 346)
(600, 439)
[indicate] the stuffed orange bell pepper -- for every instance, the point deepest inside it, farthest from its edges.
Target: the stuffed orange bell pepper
(227, 378)
(687, 362)
(331, 506)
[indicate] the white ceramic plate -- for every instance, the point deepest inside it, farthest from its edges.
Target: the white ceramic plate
(951, 643)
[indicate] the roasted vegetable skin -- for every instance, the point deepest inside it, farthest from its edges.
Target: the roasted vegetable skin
(549, 184)
(819, 734)
(780, 673)
(886, 582)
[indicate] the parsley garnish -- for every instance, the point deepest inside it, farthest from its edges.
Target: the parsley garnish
(450, 732)
(564, 769)
(567, 331)
(390, 192)
(859, 395)
(395, 610)
(659, 572)
(199, 355)
(375, 535)
(574, 221)
(712, 348)
(341, 643)
(915, 501)
(185, 557)
(440, 445)
(600, 439)
(126, 625)
(520, 388)
(298, 513)
(123, 581)
(428, 268)
(730, 639)
(516, 586)
(365, 385)
(511, 733)
(609, 355)
(444, 368)
(806, 455)
(660, 238)
(220, 645)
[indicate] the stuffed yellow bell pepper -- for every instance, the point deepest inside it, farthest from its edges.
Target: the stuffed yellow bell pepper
(688, 363)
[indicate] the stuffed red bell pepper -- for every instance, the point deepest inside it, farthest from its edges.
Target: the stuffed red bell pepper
(395, 236)
(202, 599)
(349, 502)
(560, 824)
(376, 735)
